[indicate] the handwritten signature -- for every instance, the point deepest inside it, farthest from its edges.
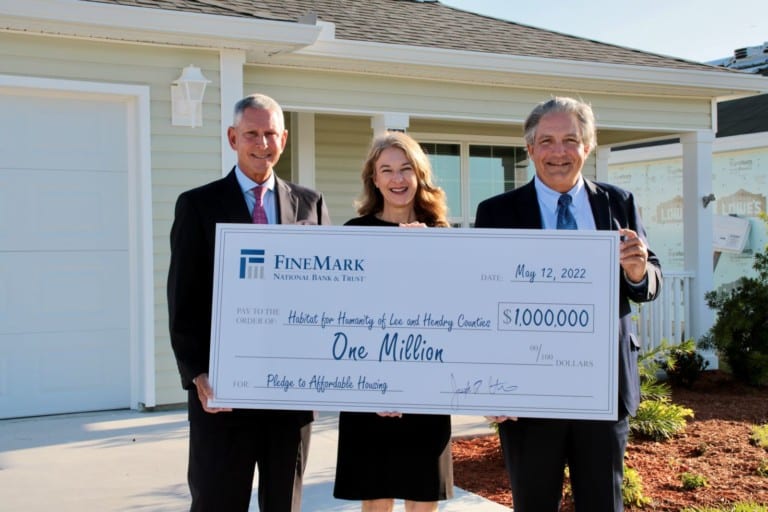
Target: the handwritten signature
(490, 386)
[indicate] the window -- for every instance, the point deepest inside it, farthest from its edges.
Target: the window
(446, 166)
(470, 173)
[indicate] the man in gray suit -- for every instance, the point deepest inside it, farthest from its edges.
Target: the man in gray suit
(560, 133)
(227, 444)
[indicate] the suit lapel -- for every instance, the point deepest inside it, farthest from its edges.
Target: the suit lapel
(232, 202)
(287, 202)
(601, 206)
(528, 209)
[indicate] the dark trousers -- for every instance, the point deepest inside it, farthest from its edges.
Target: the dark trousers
(223, 456)
(537, 450)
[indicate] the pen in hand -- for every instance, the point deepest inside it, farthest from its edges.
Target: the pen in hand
(619, 229)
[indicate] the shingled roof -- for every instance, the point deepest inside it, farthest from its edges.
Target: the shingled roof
(427, 24)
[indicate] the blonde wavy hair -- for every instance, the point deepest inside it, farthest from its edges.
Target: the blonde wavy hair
(430, 204)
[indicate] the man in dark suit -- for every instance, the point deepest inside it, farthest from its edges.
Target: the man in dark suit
(225, 445)
(559, 135)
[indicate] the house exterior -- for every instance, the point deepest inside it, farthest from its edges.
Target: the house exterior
(91, 163)
(654, 172)
(739, 185)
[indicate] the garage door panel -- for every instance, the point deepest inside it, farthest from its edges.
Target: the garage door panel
(43, 375)
(64, 254)
(74, 211)
(78, 133)
(96, 350)
(64, 291)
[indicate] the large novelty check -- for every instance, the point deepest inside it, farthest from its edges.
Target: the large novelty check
(449, 321)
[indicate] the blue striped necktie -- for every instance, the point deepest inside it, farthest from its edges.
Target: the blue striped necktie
(565, 219)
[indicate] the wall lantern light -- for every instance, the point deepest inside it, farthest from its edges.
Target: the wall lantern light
(187, 97)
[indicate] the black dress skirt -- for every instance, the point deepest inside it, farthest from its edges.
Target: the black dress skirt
(405, 458)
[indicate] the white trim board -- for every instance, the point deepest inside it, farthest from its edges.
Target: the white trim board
(668, 151)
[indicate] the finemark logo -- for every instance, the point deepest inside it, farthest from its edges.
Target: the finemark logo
(252, 263)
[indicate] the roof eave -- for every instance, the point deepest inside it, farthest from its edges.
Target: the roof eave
(315, 47)
(156, 26)
(527, 71)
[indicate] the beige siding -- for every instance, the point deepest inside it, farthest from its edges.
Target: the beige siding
(651, 113)
(358, 93)
(466, 129)
(283, 167)
(341, 146)
(365, 94)
(181, 157)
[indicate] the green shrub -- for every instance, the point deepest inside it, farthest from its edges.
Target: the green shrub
(648, 365)
(654, 390)
(750, 507)
(632, 489)
(762, 468)
(759, 436)
(692, 481)
(659, 419)
(684, 365)
(740, 333)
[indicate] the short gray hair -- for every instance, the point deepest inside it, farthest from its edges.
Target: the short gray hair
(259, 101)
(582, 111)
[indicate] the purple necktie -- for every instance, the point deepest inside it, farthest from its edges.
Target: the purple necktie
(259, 215)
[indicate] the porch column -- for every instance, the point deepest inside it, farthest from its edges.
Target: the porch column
(231, 64)
(389, 121)
(697, 227)
(302, 136)
(602, 155)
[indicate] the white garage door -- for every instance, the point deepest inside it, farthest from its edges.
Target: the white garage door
(64, 295)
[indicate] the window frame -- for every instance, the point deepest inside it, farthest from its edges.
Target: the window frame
(464, 141)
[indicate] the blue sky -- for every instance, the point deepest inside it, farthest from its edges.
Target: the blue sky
(700, 30)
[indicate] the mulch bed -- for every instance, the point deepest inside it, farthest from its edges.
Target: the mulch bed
(715, 445)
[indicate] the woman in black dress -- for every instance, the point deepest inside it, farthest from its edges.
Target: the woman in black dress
(388, 455)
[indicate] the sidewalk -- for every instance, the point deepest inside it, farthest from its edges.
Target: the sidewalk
(128, 460)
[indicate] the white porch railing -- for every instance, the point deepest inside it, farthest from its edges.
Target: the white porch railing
(667, 316)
